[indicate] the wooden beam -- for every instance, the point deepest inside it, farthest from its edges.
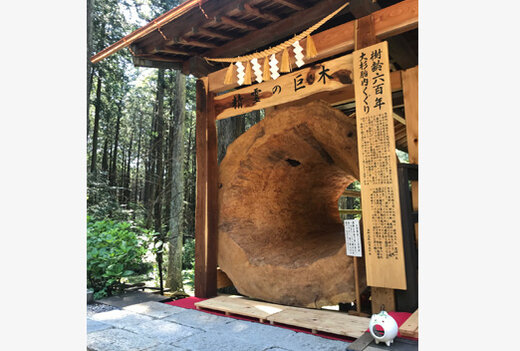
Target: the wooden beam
(389, 21)
(212, 200)
(364, 33)
(399, 118)
(153, 57)
(410, 328)
(234, 23)
(245, 7)
(198, 43)
(199, 67)
(361, 8)
(290, 87)
(144, 62)
(191, 42)
(278, 30)
(201, 191)
(295, 5)
(411, 109)
(211, 33)
(173, 51)
(351, 193)
(382, 297)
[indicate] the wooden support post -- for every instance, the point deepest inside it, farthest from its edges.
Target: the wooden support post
(356, 281)
(200, 206)
(410, 84)
(382, 297)
(212, 200)
(407, 300)
(206, 199)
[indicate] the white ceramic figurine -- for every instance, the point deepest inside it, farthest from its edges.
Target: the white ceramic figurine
(389, 328)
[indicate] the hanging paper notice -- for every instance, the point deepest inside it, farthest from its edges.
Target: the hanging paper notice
(353, 237)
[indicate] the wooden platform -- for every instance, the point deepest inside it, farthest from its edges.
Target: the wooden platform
(242, 306)
(333, 322)
(410, 328)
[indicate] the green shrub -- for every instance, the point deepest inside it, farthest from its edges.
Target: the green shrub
(114, 250)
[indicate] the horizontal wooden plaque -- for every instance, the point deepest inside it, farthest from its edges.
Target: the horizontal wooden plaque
(327, 76)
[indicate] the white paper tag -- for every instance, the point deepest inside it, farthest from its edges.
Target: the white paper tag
(352, 237)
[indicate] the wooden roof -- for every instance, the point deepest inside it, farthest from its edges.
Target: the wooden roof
(180, 38)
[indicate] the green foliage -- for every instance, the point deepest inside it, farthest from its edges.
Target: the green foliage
(188, 254)
(115, 250)
(121, 133)
(101, 199)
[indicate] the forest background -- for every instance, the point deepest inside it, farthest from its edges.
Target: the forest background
(141, 158)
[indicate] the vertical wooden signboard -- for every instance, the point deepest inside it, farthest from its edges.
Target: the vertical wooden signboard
(378, 168)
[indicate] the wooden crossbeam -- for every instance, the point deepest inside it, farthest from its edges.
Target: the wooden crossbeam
(234, 23)
(191, 42)
(389, 21)
(295, 5)
(210, 33)
(351, 193)
(145, 62)
(327, 76)
(154, 57)
(258, 13)
(173, 51)
(399, 118)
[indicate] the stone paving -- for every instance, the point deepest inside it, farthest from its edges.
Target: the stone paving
(155, 326)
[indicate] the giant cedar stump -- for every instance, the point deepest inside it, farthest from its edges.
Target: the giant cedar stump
(280, 235)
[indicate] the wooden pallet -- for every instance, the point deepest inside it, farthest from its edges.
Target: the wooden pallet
(234, 304)
(316, 320)
(410, 328)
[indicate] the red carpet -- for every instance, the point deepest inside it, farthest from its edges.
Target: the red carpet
(189, 302)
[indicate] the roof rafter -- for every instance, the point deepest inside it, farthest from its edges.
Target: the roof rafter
(234, 23)
(191, 42)
(278, 30)
(245, 7)
(295, 5)
(209, 33)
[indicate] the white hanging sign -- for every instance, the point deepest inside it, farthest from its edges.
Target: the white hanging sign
(352, 237)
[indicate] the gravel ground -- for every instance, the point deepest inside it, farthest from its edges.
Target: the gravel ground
(96, 307)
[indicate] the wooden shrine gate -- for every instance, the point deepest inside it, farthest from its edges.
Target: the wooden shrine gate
(364, 77)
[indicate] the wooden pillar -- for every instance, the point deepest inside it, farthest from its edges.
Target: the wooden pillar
(410, 81)
(206, 198)
(364, 35)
